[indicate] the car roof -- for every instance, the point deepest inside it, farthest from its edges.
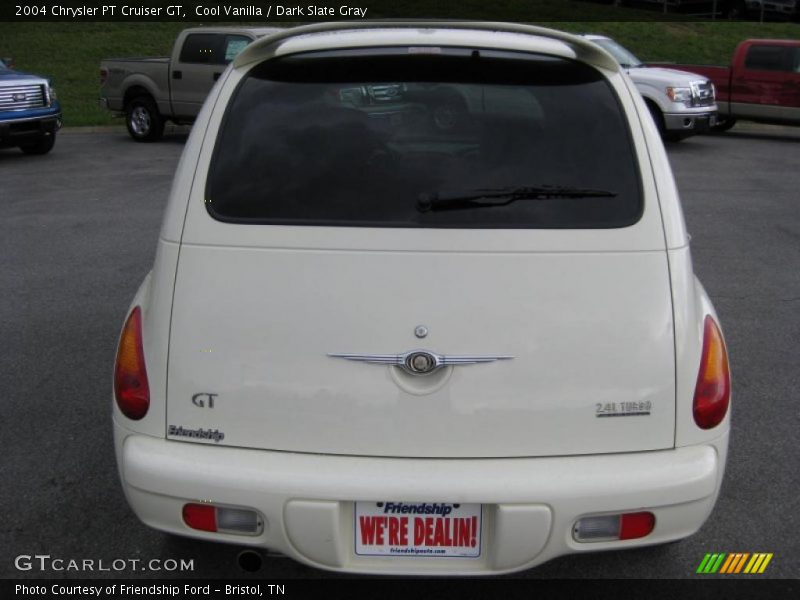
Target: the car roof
(359, 34)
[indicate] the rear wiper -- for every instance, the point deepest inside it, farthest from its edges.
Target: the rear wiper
(479, 198)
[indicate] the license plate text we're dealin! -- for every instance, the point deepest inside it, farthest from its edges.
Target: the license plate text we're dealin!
(417, 529)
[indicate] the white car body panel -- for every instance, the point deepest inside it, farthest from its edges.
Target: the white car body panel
(532, 504)
(577, 342)
(251, 312)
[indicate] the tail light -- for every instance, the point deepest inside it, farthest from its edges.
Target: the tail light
(103, 76)
(636, 525)
(713, 390)
(131, 389)
(202, 517)
(222, 519)
(608, 528)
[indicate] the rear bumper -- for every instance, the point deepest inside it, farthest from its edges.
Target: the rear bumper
(114, 105)
(27, 130)
(690, 122)
(530, 504)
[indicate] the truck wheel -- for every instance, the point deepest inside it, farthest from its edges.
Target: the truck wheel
(724, 125)
(145, 123)
(655, 112)
(43, 146)
(667, 136)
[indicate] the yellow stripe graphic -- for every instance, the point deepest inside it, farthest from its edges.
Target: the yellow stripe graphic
(741, 562)
(756, 558)
(765, 563)
(757, 564)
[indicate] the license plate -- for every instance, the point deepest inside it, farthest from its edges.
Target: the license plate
(421, 529)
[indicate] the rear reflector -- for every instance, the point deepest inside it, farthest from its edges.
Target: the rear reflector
(712, 392)
(222, 519)
(606, 528)
(200, 516)
(131, 389)
(636, 525)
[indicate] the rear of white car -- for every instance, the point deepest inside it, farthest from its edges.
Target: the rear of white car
(423, 303)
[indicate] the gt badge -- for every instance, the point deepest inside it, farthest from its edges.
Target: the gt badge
(204, 399)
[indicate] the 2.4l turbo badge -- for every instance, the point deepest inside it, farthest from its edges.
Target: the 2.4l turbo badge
(623, 409)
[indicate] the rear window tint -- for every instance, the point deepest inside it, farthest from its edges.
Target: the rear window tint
(362, 138)
(201, 48)
(770, 58)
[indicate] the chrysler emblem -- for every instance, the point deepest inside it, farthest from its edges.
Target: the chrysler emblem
(421, 362)
(18, 97)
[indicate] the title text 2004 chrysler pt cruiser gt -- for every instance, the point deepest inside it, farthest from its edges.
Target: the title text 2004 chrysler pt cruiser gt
(423, 302)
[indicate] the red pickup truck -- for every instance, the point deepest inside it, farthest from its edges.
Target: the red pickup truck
(762, 84)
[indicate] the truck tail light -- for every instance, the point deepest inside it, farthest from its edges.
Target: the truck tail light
(103, 75)
(712, 392)
(131, 389)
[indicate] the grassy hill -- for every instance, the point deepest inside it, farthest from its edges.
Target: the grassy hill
(70, 53)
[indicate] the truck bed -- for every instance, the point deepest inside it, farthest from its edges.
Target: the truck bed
(148, 74)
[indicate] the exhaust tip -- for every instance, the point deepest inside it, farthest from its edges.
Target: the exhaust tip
(250, 561)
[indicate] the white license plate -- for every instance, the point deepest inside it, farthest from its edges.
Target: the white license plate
(421, 529)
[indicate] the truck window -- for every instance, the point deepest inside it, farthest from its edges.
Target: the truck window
(355, 138)
(770, 58)
(199, 48)
(212, 48)
(234, 44)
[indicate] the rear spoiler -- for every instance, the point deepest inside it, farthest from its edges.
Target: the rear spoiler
(584, 49)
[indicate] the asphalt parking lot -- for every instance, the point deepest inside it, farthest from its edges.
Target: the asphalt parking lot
(78, 233)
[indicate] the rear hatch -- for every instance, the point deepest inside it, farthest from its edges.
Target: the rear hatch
(369, 210)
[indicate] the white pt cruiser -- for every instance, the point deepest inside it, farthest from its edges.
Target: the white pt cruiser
(423, 303)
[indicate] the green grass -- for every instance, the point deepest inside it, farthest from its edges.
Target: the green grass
(70, 53)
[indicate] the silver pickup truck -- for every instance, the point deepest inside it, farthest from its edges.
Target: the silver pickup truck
(682, 104)
(150, 91)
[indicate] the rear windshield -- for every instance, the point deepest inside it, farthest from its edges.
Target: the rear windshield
(425, 137)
